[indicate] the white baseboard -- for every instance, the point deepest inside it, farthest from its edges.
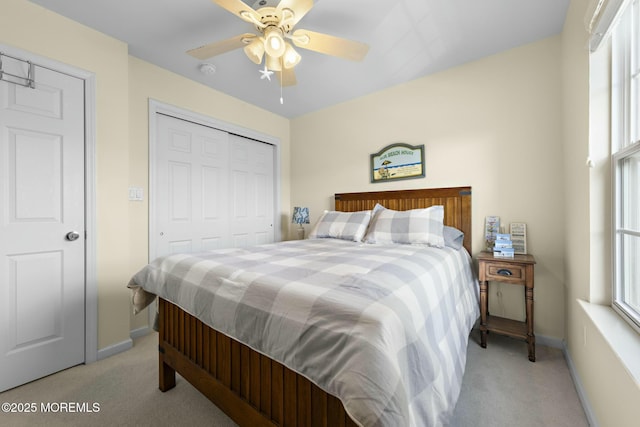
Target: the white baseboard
(582, 395)
(140, 332)
(550, 342)
(125, 345)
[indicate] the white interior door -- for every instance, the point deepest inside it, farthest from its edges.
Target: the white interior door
(42, 266)
(212, 189)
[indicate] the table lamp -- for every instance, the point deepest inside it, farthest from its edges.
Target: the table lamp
(300, 216)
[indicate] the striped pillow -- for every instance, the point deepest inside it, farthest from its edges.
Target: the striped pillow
(416, 226)
(342, 225)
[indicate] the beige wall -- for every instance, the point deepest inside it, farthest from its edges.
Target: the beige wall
(494, 124)
(611, 390)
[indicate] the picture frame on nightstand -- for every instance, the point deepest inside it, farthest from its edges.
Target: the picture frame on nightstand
(518, 232)
(491, 230)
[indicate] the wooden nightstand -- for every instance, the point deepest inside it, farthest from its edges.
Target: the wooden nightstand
(518, 271)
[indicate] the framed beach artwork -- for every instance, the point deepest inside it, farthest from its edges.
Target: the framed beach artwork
(397, 161)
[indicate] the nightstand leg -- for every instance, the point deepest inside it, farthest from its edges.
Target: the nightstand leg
(531, 338)
(483, 313)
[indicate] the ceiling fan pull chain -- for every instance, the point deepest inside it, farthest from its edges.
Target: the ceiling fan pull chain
(281, 78)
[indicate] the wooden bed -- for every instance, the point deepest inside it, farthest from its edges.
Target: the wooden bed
(249, 387)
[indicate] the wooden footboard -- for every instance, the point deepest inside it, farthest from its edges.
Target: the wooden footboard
(250, 388)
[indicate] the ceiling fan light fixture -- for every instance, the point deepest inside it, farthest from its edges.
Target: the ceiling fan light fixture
(255, 50)
(291, 57)
(272, 63)
(274, 41)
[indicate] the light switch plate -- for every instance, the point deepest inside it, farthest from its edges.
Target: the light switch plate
(136, 193)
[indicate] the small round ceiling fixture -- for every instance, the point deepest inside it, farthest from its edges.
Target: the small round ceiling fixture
(262, 3)
(208, 69)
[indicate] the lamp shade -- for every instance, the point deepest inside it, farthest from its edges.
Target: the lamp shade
(273, 63)
(255, 50)
(300, 215)
(274, 41)
(291, 57)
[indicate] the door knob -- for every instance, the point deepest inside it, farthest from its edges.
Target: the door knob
(72, 235)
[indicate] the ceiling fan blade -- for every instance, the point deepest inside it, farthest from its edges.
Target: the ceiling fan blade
(240, 9)
(217, 48)
(287, 77)
(330, 45)
(298, 7)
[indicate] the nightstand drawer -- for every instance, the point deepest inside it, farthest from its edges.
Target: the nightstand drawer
(507, 272)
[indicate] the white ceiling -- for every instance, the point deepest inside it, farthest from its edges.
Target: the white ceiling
(408, 39)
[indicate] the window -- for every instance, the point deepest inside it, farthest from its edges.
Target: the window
(625, 151)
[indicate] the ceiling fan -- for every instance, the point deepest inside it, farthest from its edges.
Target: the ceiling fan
(274, 22)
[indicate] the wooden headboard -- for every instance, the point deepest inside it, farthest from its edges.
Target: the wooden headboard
(456, 202)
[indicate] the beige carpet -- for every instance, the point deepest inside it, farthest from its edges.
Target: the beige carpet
(501, 388)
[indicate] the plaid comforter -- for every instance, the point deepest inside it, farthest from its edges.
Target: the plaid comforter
(382, 327)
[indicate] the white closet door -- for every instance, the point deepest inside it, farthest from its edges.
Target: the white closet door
(251, 194)
(212, 189)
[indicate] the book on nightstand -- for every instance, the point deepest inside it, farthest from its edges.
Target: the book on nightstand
(503, 246)
(499, 244)
(503, 253)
